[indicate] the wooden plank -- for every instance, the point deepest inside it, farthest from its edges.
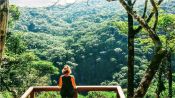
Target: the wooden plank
(46, 88)
(96, 88)
(79, 88)
(27, 93)
(120, 92)
(76, 94)
(117, 89)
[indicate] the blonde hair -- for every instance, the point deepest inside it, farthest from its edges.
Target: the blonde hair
(66, 70)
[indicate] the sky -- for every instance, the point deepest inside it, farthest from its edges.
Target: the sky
(40, 3)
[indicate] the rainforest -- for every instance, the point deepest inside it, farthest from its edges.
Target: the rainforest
(106, 42)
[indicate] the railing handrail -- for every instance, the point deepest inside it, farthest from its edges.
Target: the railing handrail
(27, 93)
(33, 89)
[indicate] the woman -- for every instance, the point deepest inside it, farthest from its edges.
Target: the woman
(67, 83)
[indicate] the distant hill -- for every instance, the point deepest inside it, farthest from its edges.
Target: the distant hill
(58, 20)
(81, 35)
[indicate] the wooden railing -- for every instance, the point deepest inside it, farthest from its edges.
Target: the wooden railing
(32, 90)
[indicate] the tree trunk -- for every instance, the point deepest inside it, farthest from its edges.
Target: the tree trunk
(159, 51)
(169, 75)
(130, 91)
(4, 7)
(150, 72)
(160, 84)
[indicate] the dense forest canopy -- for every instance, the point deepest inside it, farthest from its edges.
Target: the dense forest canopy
(91, 38)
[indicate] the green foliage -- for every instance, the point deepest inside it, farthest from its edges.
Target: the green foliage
(92, 94)
(83, 37)
(44, 67)
(122, 26)
(61, 22)
(167, 25)
(92, 48)
(48, 95)
(164, 94)
(21, 68)
(5, 94)
(15, 44)
(101, 94)
(14, 15)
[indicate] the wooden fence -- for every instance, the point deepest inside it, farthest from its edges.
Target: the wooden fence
(30, 93)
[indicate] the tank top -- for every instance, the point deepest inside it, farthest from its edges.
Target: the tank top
(67, 87)
(67, 83)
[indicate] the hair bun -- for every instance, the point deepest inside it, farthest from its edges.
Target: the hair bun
(66, 69)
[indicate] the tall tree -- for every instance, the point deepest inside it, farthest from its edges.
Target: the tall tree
(131, 35)
(4, 8)
(159, 53)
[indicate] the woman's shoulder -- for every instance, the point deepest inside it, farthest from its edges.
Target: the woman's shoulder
(62, 76)
(67, 75)
(72, 76)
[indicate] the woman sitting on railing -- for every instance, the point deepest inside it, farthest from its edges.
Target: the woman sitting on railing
(67, 83)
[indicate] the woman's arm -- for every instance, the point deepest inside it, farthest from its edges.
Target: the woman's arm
(60, 82)
(73, 82)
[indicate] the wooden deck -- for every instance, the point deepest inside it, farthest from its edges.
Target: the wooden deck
(32, 90)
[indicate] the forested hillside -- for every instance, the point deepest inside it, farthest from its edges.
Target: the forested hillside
(63, 21)
(80, 35)
(91, 38)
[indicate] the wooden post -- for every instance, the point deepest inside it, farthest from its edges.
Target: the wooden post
(76, 94)
(120, 92)
(117, 94)
(32, 95)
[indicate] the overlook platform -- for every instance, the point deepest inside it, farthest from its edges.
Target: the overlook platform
(30, 93)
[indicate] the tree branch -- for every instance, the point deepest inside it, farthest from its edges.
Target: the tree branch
(66, 6)
(110, 0)
(145, 9)
(148, 19)
(156, 14)
(55, 3)
(134, 2)
(144, 24)
(88, 2)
